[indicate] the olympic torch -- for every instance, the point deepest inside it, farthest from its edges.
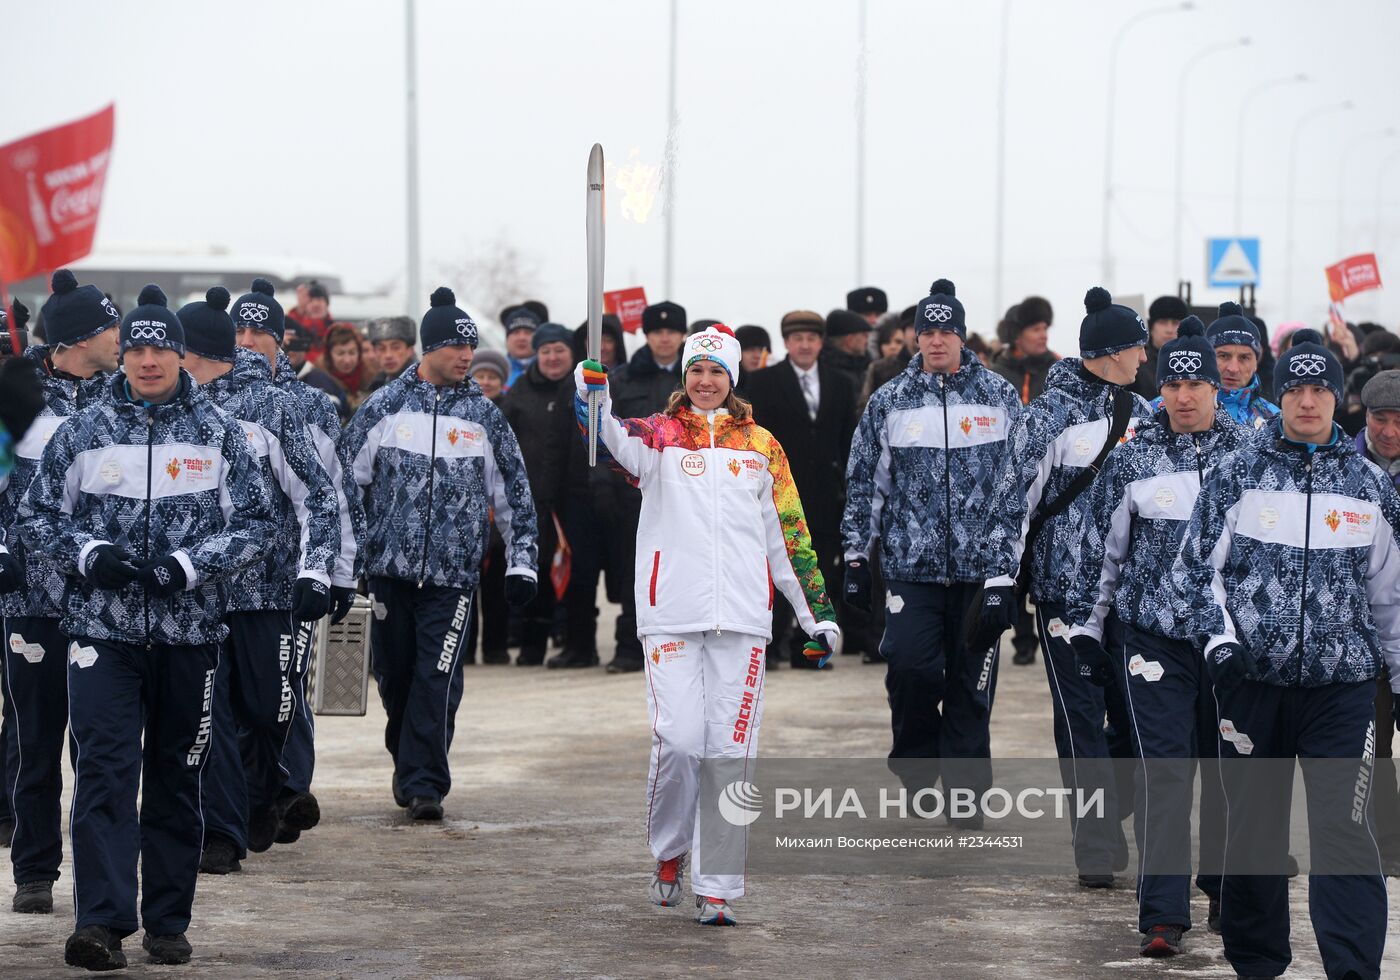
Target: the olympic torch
(595, 287)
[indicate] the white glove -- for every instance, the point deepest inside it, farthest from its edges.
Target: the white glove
(588, 378)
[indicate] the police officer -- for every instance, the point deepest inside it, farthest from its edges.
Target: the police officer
(147, 500)
(81, 326)
(1288, 574)
(254, 700)
(260, 322)
(1055, 446)
(1138, 508)
(436, 458)
(923, 464)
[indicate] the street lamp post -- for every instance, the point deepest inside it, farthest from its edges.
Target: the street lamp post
(1390, 132)
(672, 147)
(1106, 276)
(1386, 164)
(411, 153)
(1249, 98)
(998, 244)
(1290, 203)
(860, 147)
(1182, 79)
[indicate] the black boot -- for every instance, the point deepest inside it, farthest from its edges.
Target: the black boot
(422, 808)
(220, 856)
(573, 658)
(167, 950)
(94, 948)
(34, 898)
(299, 811)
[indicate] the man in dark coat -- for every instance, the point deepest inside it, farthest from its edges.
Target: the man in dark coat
(539, 407)
(652, 374)
(809, 407)
(847, 346)
(1163, 317)
(1026, 358)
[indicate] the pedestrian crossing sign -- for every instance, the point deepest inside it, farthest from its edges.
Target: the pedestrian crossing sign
(1232, 262)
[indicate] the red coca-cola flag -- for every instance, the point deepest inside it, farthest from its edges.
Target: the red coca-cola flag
(50, 194)
(1354, 275)
(628, 305)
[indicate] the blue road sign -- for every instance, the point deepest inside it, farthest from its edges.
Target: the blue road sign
(1232, 262)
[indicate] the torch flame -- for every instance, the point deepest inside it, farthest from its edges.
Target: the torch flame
(638, 182)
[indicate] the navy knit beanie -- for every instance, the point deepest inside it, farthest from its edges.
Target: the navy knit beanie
(1233, 327)
(1189, 357)
(209, 329)
(550, 333)
(1307, 362)
(151, 324)
(445, 324)
(940, 310)
(1107, 327)
(257, 309)
(74, 312)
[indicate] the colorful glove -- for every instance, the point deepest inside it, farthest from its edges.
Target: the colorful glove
(164, 577)
(109, 567)
(520, 589)
(1095, 665)
(342, 600)
(590, 376)
(311, 600)
(1227, 666)
(11, 573)
(822, 648)
(858, 584)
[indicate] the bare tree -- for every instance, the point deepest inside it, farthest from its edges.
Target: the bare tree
(494, 274)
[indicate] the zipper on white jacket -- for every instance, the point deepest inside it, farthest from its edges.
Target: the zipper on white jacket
(714, 538)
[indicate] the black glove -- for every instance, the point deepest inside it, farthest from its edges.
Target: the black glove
(1227, 666)
(11, 573)
(520, 589)
(21, 396)
(342, 599)
(109, 567)
(1095, 665)
(858, 584)
(1395, 709)
(163, 577)
(311, 600)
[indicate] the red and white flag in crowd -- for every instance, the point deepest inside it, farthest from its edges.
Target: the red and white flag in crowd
(1353, 275)
(50, 195)
(628, 305)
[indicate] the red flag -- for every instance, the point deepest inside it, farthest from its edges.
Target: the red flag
(562, 563)
(50, 194)
(628, 305)
(1354, 275)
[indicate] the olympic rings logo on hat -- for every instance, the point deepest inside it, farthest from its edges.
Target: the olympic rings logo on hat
(1307, 365)
(147, 333)
(1184, 362)
(253, 312)
(710, 344)
(109, 309)
(466, 328)
(938, 313)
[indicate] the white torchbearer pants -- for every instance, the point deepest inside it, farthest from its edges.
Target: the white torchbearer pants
(705, 692)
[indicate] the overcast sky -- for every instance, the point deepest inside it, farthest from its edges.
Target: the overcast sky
(278, 128)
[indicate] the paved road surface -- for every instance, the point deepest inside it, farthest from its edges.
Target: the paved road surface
(541, 867)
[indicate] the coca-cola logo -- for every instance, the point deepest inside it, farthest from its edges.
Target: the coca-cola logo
(70, 204)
